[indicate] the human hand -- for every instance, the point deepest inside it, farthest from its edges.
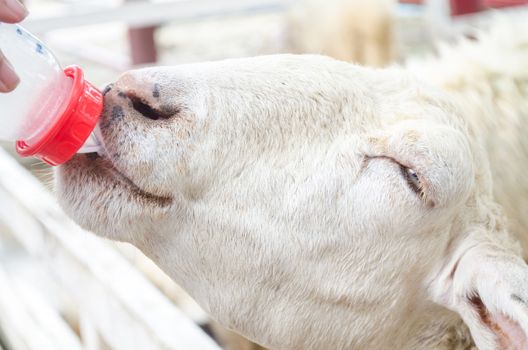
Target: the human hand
(11, 11)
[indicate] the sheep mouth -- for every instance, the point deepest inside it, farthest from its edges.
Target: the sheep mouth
(114, 173)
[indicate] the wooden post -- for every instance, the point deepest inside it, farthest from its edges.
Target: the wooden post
(142, 43)
(465, 7)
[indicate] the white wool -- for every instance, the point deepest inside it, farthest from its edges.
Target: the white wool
(351, 30)
(489, 80)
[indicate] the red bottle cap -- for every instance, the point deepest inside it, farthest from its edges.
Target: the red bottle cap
(65, 137)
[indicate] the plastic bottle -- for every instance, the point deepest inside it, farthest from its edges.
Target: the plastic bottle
(52, 114)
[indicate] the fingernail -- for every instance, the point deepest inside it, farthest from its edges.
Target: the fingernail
(17, 8)
(8, 78)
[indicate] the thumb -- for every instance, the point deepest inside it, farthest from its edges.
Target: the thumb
(12, 11)
(8, 78)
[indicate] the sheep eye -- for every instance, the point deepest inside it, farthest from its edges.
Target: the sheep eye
(412, 180)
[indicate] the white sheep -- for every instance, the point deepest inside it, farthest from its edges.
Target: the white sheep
(308, 203)
(358, 31)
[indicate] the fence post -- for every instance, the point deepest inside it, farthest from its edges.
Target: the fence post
(142, 44)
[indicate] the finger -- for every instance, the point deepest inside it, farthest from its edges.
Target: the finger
(12, 11)
(8, 78)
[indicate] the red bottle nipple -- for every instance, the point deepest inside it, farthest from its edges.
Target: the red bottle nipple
(65, 137)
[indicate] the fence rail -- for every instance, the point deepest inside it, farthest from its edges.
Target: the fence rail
(116, 302)
(148, 13)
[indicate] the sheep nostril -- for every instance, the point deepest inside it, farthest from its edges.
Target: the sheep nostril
(107, 89)
(145, 110)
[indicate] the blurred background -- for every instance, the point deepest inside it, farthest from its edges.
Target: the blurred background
(62, 288)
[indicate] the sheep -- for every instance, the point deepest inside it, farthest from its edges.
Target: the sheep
(351, 30)
(308, 203)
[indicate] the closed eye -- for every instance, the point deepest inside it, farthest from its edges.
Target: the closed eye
(413, 180)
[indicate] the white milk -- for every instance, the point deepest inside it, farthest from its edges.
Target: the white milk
(39, 98)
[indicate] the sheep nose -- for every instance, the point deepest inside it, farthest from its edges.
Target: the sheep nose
(146, 110)
(144, 95)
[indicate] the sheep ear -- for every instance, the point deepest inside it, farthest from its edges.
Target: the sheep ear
(487, 285)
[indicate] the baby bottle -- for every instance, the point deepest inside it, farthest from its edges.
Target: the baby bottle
(52, 114)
